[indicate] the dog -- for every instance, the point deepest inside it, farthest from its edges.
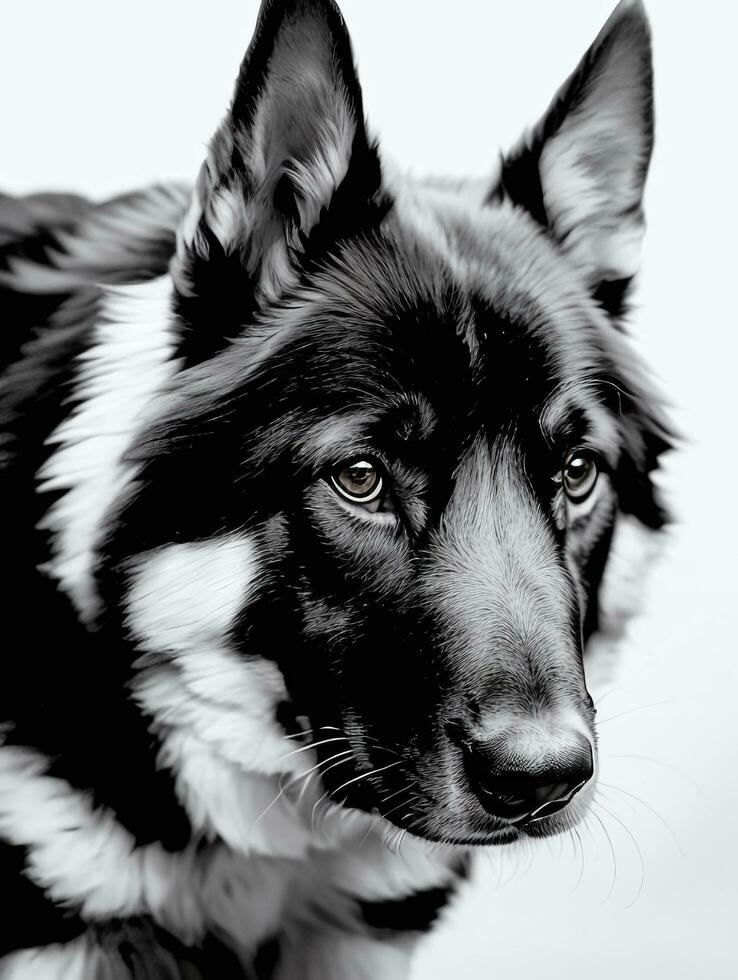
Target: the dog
(319, 483)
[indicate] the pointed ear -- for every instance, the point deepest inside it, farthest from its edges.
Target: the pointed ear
(582, 170)
(291, 153)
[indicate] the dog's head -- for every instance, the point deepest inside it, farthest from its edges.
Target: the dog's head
(413, 407)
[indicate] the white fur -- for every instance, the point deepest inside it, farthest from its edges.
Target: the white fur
(378, 871)
(184, 594)
(84, 858)
(547, 733)
(633, 554)
(182, 602)
(70, 961)
(119, 375)
(80, 854)
(215, 711)
(227, 800)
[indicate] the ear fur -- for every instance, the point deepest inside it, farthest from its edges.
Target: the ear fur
(293, 141)
(581, 171)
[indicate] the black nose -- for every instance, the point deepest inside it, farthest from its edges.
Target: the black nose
(519, 790)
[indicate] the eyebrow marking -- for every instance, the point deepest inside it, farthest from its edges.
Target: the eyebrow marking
(407, 417)
(417, 417)
(336, 435)
(580, 397)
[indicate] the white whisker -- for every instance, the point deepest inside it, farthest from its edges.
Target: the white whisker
(313, 745)
(648, 807)
(581, 856)
(349, 782)
(365, 775)
(297, 778)
(630, 711)
(635, 844)
(612, 853)
(308, 731)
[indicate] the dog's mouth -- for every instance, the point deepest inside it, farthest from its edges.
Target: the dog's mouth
(469, 826)
(495, 837)
(457, 798)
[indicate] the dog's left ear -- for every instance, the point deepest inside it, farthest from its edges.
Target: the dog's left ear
(291, 158)
(582, 170)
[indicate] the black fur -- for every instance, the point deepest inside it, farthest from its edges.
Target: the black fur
(471, 588)
(416, 913)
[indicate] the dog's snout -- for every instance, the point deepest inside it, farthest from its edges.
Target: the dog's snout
(518, 786)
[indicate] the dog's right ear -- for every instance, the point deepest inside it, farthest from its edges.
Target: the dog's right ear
(290, 163)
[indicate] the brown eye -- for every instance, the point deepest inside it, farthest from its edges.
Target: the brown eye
(358, 481)
(579, 475)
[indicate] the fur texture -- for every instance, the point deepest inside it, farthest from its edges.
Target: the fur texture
(255, 720)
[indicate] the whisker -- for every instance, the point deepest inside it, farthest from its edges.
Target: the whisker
(327, 792)
(369, 829)
(349, 782)
(410, 799)
(512, 870)
(317, 769)
(397, 792)
(581, 856)
(308, 731)
(635, 844)
(365, 775)
(530, 854)
(413, 823)
(651, 809)
(667, 765)
(630, 711)
(392, 842)
(295, 779)
(592, 837)
(607, 694)
(612, 852)
(335, 764)
(313, 745)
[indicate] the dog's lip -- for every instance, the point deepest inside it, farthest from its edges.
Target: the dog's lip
(499, 835)
(548, 809)
(492, 838)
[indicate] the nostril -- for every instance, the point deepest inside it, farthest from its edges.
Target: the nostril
(518, 795)
(507, 794)
(551, 792)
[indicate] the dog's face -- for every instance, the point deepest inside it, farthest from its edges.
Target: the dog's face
(419, 410)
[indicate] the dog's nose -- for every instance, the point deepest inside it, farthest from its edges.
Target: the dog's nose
(520, 789)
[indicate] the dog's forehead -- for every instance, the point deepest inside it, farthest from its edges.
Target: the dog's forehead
(444, 307)
(493, 249)
(446, 286)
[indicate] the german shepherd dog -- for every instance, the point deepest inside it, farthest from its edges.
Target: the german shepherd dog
(318, 482)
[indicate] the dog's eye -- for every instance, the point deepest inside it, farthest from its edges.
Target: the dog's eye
(579, 475)
(358, 481)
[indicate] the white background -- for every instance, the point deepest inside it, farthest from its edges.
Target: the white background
(100, 97)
